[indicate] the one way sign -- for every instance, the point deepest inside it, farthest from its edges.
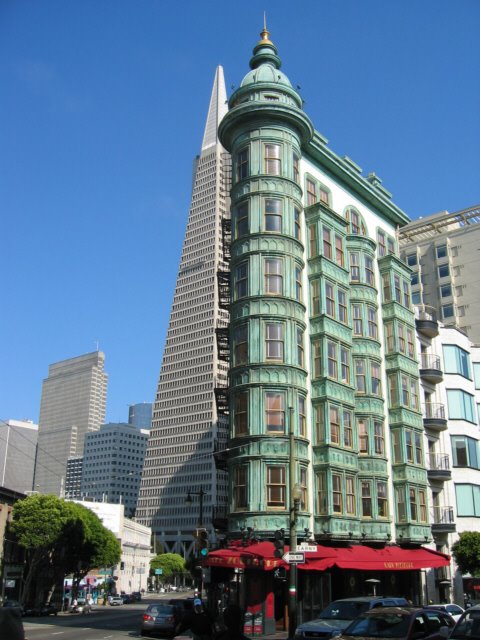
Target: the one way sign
(294, 557)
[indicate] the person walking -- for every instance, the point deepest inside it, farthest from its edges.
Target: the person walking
(198, 621)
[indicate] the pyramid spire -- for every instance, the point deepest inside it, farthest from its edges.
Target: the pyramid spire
(217, 109)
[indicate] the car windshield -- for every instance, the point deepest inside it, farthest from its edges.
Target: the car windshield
(468, 626)
(390, 625)
(347, 610)
(161, 610)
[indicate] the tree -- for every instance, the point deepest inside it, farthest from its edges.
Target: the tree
(466, 552)
(61, 538)
(170, 563)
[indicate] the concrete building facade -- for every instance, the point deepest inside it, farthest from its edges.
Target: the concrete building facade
(18, 449)
(73, 404)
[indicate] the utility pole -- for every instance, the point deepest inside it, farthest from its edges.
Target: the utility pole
(294, 503)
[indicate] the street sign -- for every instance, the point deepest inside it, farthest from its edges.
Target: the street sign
(158, 572)
(294, 557)
(309, 548)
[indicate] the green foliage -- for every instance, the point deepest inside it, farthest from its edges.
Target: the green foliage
(170, 563)
(466, 552)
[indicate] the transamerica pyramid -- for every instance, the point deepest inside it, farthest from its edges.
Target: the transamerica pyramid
(186, 424)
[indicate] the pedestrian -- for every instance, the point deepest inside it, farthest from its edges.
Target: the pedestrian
(198, 621)
(11, 625)
(233, 621)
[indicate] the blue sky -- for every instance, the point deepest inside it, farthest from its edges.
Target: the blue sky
(102, 112)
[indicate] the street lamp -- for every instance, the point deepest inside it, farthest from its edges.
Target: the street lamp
(295, 498)
(189, 502)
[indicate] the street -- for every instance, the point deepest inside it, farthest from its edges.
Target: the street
(104, 623)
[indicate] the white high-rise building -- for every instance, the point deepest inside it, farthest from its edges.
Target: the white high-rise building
(18, 446)
(73, 403)
(187, 425)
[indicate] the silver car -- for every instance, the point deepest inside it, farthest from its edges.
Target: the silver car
(160, 619)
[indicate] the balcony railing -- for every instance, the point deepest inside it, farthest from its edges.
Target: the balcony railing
(434, 410)
(425, 312)
(439, 462)
(443, 515)
(428, 361)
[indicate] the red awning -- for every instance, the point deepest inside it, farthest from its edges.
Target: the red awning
(391, 558)
(253, 556)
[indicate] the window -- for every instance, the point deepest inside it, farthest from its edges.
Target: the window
(400, 502)
(327, 243)
(401, 338)
(274, 341)
(422, 503)
(379, 438)
(347, 429)
(396, 284)
(372, 323)
(456, 360)
(329, 300)
(276, 486)
(273, 215)
(241, 414)
(345, 365)
(311, 192)
(354, 267)
(334, 425)
(242, 164)
(240, 489)
(465, 452)
(443, 271)
(324, 195)
(414, 279)
(409, 445)
(332, 359)
(300, 346)
(441, 251)
(375, 378)
(476, 374)
(274, 412)
(337, 493)
(381, 246)
(362, 436)
(389, 337)
(406, 294)
(339, 253)
(416, 298)
(242, 220)
(319, 423)
(357, 319)
(366, 499)
(460, 405)
(387, 287)
(369, 273)
(342, 306)
(302, 419)
(298, 284)
(390, 245)
(447, 311)
(418, 448)
(296, 167)
(413, 504)
(396, 446)
(356, 224)
(322, 493)
(241, 280)
(303, 482)
(360, 380)
(312, 229)
(273, 276)
(382, 501)
(446, 291)
(241, 344)
(350, 503)
(412, 260)
(410, 343)
(468, 500)
(317, 358)
(273, 163)
(315, 297)
(297, 226)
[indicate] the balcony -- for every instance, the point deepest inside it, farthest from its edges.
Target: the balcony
(221, 399)
(223, 343)
(220, 456)
(226, 238)
(439, 467)
(430, 368)
(443, 520)
(434, 416)
(426, 320)
(223, 280)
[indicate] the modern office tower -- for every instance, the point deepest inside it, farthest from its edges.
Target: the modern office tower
(450, 396)
(442, 251)
(112, 464)
(18, 448)
(140, 415)
(73, 478)
(187, 425)
(73, 404)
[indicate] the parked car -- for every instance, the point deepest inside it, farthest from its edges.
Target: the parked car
(115, 601)
(137, 595)
(128, 598)
(340, 613)
(159, 618)
(401, 623)
(468, 626)
(453, 609)
(48, 609)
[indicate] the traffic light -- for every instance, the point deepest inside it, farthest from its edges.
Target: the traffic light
(202, 542)
(279, 543)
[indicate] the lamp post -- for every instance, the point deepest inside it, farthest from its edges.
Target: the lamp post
(189, 501)
(295, 497)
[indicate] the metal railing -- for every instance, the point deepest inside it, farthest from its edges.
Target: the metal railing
(428, 361)
(425, 312)
(434, 410)
(439, 462)
(442, 515)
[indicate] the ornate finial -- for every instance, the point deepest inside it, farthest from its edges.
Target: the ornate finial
(265, 33)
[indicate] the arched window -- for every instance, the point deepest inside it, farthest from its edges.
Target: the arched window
(357, 225)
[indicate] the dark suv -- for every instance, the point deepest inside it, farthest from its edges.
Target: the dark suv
(340, 613)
